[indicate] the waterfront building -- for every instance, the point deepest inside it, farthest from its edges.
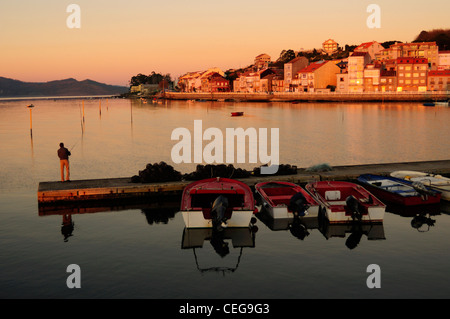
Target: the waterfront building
(290, 70)
(444, 60)
(318, 76)
(197, 81)
(250, 81)
(186, 82)
(262, 61)
(342, 82)
(330, 46)
(412, 74)
(372, 48)
(424, 50)
(215, 82)
(388, 81)
(357, 61)
(371, 77)
(439, 80)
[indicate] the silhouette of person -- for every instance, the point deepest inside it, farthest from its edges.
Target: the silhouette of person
(63, 154)
(67, 227)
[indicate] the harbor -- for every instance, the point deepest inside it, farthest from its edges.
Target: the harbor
(124, 189)
(130, 238)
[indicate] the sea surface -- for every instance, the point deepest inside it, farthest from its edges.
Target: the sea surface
(144, 251)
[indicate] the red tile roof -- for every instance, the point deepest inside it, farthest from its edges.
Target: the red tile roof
(312, 67)
(365, 45)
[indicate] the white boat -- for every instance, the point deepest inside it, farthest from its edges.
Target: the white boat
(346, 202)
(433, 181)
(217, 202)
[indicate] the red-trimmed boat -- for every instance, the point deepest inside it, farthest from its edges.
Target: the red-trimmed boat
(237, 113)
(346, 202)
(286, 200)
(217, 202)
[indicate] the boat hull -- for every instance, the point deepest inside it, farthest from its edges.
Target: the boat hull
(275, 197)
(396, 191)
(332, 197)
(217, 201)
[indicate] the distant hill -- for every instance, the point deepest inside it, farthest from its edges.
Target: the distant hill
(67, 87)
(440, 36)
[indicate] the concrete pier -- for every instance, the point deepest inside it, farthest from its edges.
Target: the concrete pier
(123, 188)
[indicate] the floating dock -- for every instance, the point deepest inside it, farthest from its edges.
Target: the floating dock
(50, 193)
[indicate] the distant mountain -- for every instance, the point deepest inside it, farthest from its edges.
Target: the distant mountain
(67, 87)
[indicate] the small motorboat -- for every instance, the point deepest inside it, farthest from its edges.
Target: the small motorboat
(399, 191)
(286, 200)
(237, 113)
(343, 202)
(429, 104)
(434, 181)
(217, 202)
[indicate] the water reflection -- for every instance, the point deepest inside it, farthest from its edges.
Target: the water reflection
(301, 228)
(155, 213)
(421, 215)
(355, 232)
(240, 238)
(67, 227)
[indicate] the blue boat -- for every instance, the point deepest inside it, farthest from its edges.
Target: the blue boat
(429, 104)
(399, 191)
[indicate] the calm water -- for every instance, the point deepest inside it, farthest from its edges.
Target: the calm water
(144, 252)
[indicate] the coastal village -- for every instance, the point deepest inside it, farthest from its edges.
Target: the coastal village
(370, 67)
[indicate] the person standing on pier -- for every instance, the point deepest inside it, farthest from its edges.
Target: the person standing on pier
(63, 154)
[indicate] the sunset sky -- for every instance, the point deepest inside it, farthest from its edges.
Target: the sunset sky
(119, 39)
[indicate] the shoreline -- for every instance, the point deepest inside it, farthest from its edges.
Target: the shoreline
(312, 97)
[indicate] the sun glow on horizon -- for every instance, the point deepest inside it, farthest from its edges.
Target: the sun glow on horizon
(118, 40)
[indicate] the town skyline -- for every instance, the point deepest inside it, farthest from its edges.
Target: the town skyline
(116, 41)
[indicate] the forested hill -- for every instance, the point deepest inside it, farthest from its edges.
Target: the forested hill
(67, 87)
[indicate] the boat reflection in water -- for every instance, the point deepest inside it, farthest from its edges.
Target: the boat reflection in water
(240, 238)
(421, 216)
(299, 226)
(355, 232)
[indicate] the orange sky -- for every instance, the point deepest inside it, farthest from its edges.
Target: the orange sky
(119, 39)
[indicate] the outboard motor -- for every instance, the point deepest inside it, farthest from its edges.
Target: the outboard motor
(218, 211)
(422, 190)
(298, 204)
(355, 207)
